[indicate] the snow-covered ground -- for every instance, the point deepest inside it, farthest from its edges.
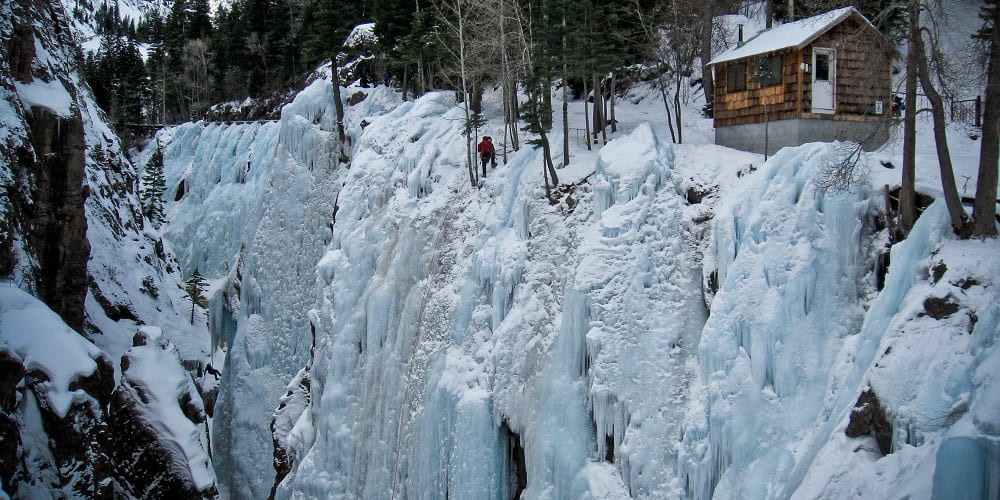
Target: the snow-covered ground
(465, 337)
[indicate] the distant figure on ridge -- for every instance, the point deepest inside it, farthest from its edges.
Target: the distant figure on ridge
(487, 153)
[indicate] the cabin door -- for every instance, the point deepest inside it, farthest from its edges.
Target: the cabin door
(824, 71)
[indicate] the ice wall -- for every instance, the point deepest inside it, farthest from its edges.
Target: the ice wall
(790, 258)
(642, 312)
(253, 204)
(483, 343)
(928, 350)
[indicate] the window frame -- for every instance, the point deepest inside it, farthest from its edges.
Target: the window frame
(732, 83)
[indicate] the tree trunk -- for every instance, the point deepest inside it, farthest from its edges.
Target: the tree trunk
(907, 189)
(406, 80)
(565, 97)
(476, 98)
(670, 119)
(951, 196)
(547, 153)
(338, 103)
(614, 124)
(984, 211)
(515, 112)
(586, 117)
(677, 109)
(707, 83)
(598, 107)
(565, 117)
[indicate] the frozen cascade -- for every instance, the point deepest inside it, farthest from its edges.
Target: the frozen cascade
(254, 218)
(786, 256)
(643, 313)
(481, 343)
(945, 414)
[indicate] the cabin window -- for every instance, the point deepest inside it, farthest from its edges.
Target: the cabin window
(774, 64)
(736, 77)
(767, 72)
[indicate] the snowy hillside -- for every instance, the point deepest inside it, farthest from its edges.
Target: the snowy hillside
(687, 322)
(73, 238)
(84, 22)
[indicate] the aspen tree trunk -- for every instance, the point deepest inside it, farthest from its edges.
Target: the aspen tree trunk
(504, 78)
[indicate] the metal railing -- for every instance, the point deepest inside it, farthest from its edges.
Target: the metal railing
(967, 111)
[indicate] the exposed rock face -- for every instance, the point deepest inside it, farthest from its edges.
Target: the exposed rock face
(290, 409)
(60, 223)
(149, 467)
(67, 187)
(868, 418)
(11, 373)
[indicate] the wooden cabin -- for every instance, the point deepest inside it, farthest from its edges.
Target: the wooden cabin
(823, 78)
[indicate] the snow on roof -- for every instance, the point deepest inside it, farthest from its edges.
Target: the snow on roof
(794, 34)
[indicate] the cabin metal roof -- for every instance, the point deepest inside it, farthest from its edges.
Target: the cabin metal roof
(795, 34)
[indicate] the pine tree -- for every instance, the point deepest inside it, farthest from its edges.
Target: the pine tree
(196, 286)
(153, 186)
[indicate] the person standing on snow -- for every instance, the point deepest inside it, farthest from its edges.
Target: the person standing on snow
(487, 153)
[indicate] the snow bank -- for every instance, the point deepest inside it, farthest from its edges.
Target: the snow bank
(49, 95)
(42, 342)
(156, 379)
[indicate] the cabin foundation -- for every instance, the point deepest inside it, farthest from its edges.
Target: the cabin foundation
(794, 132)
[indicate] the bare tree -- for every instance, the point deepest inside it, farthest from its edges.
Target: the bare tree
(925, 63)
(908, 191)
(197, 62)
(674, 43)
(465, 29)
(984, 211)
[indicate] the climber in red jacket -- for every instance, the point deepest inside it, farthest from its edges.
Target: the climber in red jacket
(487, 153)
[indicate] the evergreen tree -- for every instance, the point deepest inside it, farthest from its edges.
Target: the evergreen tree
(117, 76)
(325, 26)
(153, 186)
(196, 286)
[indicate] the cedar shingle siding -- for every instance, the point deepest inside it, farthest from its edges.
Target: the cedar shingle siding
(863, 65)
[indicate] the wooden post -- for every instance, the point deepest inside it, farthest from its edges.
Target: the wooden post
(979, 111)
